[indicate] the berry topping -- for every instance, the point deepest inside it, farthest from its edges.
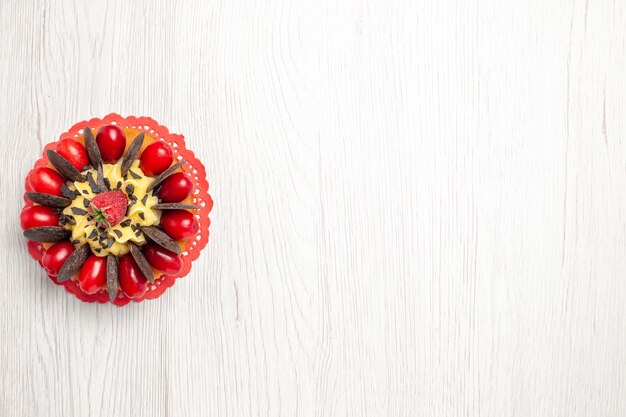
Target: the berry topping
(111, 142)
(45, 180)
(156, 158)
(73, 152)
(109, 208)
(175, 188)
(131, 280)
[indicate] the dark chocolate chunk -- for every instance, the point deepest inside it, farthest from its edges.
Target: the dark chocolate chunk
(75, 242)
(100, 180)
(161, 238)
(112, 281)
(134, 174)
(110, 242)
(144, 199)
(92, 183)
(67, 193)
(125, 223)
(92, 149)
(130, 189)
(142, 216)
(86, 202)
(93, 235)
(131, 153)
(85, 192)
(49, 200)
(73, 264)
(118, 185)
(162, 176)
(78, 211)
(176, 206)
(63, 166)
(117, 233)
(98, 250)
(107, 183)
(141, 261)
(47, 234)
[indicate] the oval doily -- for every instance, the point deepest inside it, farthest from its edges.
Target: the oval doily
(193, 168)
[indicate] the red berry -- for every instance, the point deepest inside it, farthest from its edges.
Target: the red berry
(175, 188)
(46, 180)
(55, 256)
(74, 152)
(132, 282)
(109, 207)
(156, 158)
(111, 141)
(36, 250)
(162, 259)
(93, 274)
(179, 224)
(34, 216)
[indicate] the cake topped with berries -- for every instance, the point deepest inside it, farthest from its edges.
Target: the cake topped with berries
(114, 214)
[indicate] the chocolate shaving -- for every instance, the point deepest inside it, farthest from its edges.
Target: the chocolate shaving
(130, 189)
(131, 153)
(134, 174)
(93, 235)
(47, 234)
(176, 206)
(141, 261)
(107, 183)
(63, 166)
(67, 193)
(100, 180)
(85, 192)
(86, 202)
(92, 149)
(125, 223)
(117, 233)
(110, 242)
(78, 211)
(112, 281)
(92, 183)
(49, 200)
(73, 264)
(144, 199)
(161, 238)
(163, 175)
(118, 185)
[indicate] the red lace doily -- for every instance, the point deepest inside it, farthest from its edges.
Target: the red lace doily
(193, 168)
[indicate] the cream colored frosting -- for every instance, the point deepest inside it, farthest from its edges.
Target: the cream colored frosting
(84, 227)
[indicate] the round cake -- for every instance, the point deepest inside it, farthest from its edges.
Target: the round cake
(117, 209)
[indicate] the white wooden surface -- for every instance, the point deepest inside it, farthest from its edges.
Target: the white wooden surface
(419, 208)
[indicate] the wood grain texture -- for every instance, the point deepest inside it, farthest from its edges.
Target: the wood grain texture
(419, 208)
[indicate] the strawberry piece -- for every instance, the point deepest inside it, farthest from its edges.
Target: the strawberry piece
(109, 208)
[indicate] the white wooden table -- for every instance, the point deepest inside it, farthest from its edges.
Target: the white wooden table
(419, 208)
